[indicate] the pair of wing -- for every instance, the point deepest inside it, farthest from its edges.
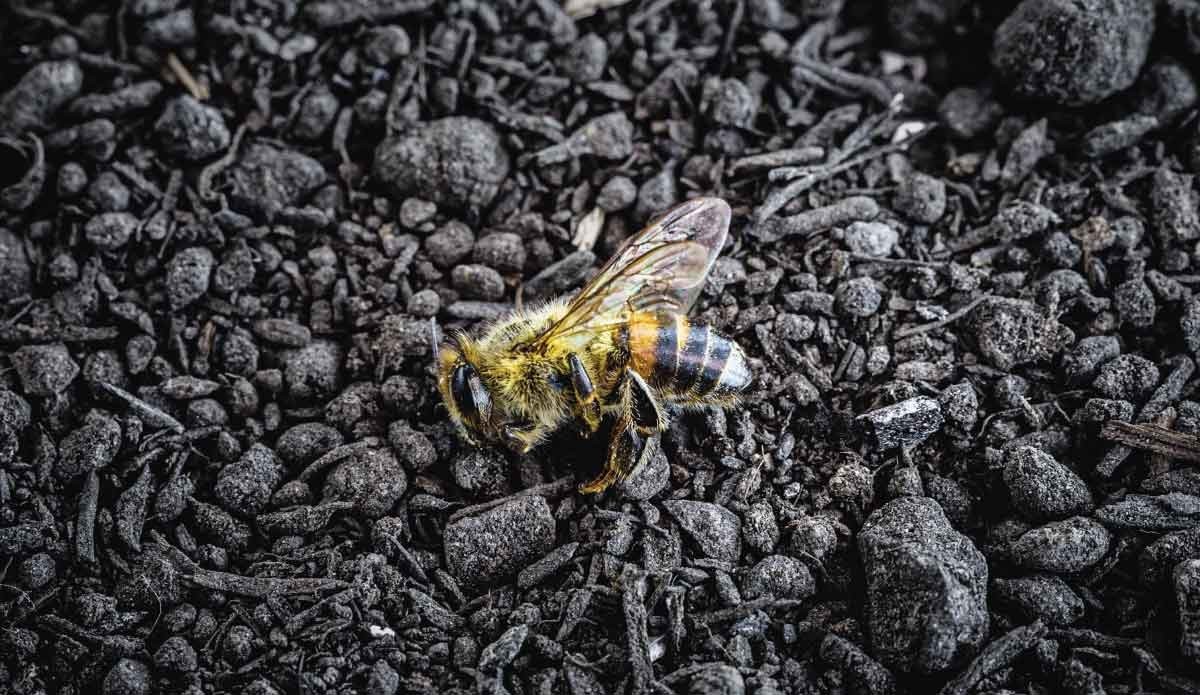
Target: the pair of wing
(660, 269)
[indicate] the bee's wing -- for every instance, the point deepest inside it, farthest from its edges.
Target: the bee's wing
(662, 268)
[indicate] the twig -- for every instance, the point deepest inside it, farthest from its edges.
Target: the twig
(1167, 393)
(204, 186)
(342, 452)
(552, 489)
(177, 68)
(947, 320)
(844, 79)
(779, 158)
(911, 262)
(143, 407)
(780, 197)
(1160, 440)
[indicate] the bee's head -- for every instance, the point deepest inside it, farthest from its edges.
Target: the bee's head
(462, 389)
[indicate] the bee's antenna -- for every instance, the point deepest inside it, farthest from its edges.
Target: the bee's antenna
(435, 336)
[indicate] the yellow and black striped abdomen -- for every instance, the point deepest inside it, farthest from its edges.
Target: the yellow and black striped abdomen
(685, 361)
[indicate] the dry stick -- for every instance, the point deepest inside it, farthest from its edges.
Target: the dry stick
(847, 80)
(996, 656)
(260, 587)
(819, 220)
(1159, 440)
(1167, 393)
(204, 185)
(949, 319)
(779, 158)
(552, 489)
(143, 407)
(777, 199)
(338, 454)
(912, 262)
(633, 598)
(185, 77)
(85, 525)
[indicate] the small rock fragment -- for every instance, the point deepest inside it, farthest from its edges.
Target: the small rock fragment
(926, 587)
(1174, 201)
(190, 130)
(871, 239)
(244, 487)
(1157, 559)
(1041, 597)
(715, 530)
(906, 423)
(44, 370)
(16, 273)
(1041, 488)
(92, 446)
(1062, 547)
(495, 544)
(455, 162)
(1187, 595)
(1109, 41)
(267, 179)
(968, 112)
(314, 371)
(921, 197)
(372, 479)
(779, 576)
(1082, 363)
(188, 276)
(1169, 512)
(128, 677)
(1012, 332)
(1128, 377)
(38, 95)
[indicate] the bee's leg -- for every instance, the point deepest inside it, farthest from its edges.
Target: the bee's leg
(585, 393)
(645, 411)
(520, 436)
(624, 451)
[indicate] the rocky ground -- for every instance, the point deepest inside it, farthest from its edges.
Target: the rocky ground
(963, 261)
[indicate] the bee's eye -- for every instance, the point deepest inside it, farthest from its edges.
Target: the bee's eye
(468, 391)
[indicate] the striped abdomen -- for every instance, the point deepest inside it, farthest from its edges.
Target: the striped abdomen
(686, 361)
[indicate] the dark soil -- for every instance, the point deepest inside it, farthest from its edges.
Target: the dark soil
(964, 262)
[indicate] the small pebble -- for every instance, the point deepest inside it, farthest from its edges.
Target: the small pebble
(44, 370)
(926, 602)
(906, 423)
(1128, 377)
(455, 162)
(128, 677)
(1110, 42)
(1041, 488)
(1041, 597)
(779, 576)
(920, 197)
(715, 530)
(191, 131)
(1062, 547)
(495, 544)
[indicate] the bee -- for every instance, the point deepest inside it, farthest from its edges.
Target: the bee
(623, 348)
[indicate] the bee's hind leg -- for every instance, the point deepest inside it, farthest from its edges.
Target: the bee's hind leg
(645, 411)
(624, 450)
(585, 393)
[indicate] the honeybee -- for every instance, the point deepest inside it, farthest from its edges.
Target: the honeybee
(622, 348)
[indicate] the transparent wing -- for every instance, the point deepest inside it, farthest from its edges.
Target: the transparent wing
(660, 269)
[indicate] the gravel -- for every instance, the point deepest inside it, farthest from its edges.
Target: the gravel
(1108, 43)
(926, 587)
(495, 544)
(454, 162)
